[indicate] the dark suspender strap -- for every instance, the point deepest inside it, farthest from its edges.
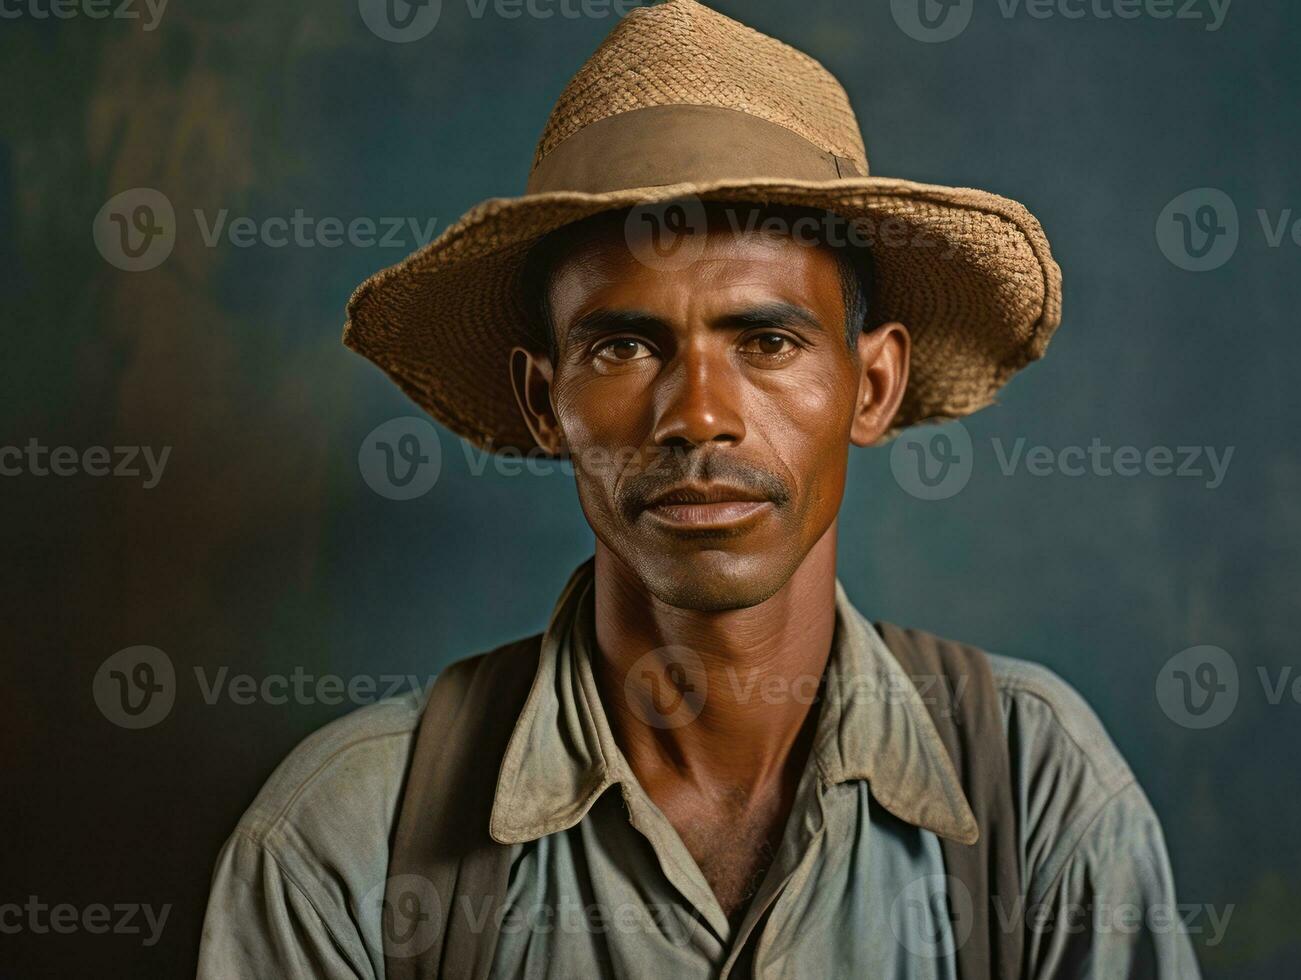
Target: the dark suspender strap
(446, 877)
(969, 718)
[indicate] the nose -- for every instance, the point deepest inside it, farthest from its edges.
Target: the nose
(698, 403)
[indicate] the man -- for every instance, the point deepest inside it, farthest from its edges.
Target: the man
(709, 764)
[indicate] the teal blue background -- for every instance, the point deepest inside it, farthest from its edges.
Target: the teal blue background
(263, 550)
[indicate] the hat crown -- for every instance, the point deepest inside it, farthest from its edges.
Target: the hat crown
(684, 53)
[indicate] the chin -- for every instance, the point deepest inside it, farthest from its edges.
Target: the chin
(714, 579)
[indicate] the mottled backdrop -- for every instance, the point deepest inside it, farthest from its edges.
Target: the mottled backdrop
(243, 538)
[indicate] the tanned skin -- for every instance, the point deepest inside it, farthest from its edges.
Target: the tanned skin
(708, 412)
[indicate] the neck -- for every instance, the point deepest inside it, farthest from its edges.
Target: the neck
(714, 698)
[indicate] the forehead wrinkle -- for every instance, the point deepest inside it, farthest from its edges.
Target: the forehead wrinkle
(732, 261)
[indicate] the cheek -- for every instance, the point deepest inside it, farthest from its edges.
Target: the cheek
(811, 414)
(599, 419)
(821, 402)
(600, 411)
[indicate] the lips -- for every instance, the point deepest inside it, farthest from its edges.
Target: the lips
(713, 506)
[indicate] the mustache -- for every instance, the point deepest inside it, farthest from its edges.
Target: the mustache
(671, 466)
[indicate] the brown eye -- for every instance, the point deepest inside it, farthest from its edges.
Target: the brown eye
(622, 349)
(768, 344)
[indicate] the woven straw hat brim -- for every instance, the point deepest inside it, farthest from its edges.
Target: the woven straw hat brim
(968, 272)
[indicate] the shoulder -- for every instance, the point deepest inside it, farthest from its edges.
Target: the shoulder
(352, 768)
(306, 857)
(300, 879)
(1076, 796)
(341, 786)
(1091, 843)
(1049, 721)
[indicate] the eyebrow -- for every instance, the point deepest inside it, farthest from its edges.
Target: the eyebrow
(599, 323)
(602, 322)
(773, 314)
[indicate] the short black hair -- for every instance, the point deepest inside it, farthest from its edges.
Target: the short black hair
(854, 262)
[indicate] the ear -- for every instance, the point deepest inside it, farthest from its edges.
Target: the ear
(883, 356)
(530, 375)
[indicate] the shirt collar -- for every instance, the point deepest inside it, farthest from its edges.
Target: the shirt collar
(874, 726)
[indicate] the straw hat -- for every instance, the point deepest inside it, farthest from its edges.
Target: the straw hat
(680, 105)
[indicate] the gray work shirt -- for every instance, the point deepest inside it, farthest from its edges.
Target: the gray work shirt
(601, 884)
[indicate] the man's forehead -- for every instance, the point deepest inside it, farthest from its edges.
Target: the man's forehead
(722, 284)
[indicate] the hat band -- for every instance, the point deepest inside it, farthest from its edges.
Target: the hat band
(679, 144)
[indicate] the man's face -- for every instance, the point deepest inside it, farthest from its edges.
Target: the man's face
(708, 410)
